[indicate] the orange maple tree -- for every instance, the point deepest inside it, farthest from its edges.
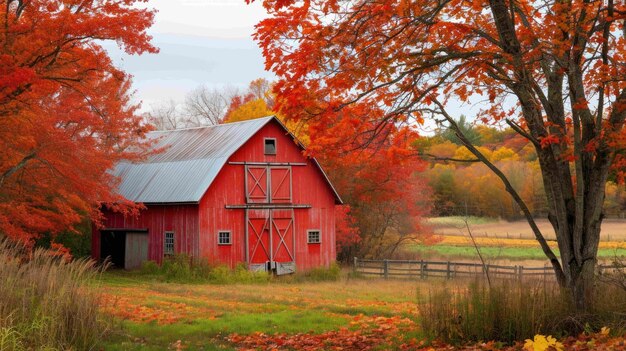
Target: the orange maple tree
(552, 70)
(65, 110)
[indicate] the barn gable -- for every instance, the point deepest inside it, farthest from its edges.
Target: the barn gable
(190, 162)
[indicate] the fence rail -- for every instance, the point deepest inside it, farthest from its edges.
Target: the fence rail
(447, 269)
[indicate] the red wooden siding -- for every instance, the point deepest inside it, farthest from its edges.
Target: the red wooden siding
(180, 219)
(303, 184)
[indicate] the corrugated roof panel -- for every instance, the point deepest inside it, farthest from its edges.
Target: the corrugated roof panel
(206, 142)
(191, 160)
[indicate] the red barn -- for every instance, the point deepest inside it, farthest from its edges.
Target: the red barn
(233, 193)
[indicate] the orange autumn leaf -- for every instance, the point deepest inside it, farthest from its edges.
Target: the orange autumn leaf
(66, 114)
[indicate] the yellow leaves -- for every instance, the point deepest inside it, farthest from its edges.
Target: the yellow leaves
(250, 110)
(543, 343)
(462, 153)
(504, 153)
(605, 331)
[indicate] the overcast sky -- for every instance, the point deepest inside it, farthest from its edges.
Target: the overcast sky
(202, 42)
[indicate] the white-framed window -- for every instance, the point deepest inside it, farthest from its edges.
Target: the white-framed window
(313, 236)
(168, 244)
(224, 237)
(269, 145)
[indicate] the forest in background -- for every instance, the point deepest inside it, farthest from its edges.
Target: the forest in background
(463, 186)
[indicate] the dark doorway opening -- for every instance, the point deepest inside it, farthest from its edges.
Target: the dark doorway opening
(125, 248)
(113, 245)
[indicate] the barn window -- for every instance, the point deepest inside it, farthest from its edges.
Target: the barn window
(168, 247)
(223, 238)
(313, 236)
(270, 146)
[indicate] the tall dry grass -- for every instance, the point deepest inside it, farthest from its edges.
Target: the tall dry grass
(510, 311)
(46, 302)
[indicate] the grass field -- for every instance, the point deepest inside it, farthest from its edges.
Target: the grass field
(505, 241)
(612, 229)
(453, 247)
(158, 316)
(452, 252)
(349, 314)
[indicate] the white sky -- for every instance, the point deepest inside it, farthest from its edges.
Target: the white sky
(202, 42)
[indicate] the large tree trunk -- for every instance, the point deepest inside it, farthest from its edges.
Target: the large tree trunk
(575, 195)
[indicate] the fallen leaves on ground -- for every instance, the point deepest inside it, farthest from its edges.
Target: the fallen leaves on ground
(139, 309)
(365, 333)
(380, 333)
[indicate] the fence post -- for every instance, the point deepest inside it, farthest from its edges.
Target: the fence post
(448, 272)
(520, 271)
(386, 268)
(356, 262)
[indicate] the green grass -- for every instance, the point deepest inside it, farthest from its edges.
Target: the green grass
(273, 307)
(511, 253)
(202, 334)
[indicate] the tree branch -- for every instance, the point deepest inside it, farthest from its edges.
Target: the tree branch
(509, 188)
(16, 168)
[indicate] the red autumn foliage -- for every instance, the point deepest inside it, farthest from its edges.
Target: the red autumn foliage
(366, 333)
(346, 230)
(352, 69)
(65, 110)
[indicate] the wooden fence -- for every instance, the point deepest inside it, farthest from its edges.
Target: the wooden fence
(446, 269)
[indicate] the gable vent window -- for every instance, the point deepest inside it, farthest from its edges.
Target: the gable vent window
(270, 146)
(313, 237)
(168, 247)
(223, 238)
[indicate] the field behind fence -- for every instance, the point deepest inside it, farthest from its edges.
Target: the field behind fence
(446, 269)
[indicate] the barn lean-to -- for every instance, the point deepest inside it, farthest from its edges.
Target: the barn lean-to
(233, 193)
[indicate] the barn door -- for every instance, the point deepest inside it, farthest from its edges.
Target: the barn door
(259, 249)
(280, 184)
(136, 251)
(257, 184)
(271, 240)
(283, 241)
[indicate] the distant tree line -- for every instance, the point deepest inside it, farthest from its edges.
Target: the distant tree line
(462, 186)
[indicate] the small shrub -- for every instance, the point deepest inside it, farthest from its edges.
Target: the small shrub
(331, 273)
(512, 311)
(45, 301)
(150, 268)
(184, 269)
(223, 274)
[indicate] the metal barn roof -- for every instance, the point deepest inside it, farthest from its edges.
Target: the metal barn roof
(191, 160)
